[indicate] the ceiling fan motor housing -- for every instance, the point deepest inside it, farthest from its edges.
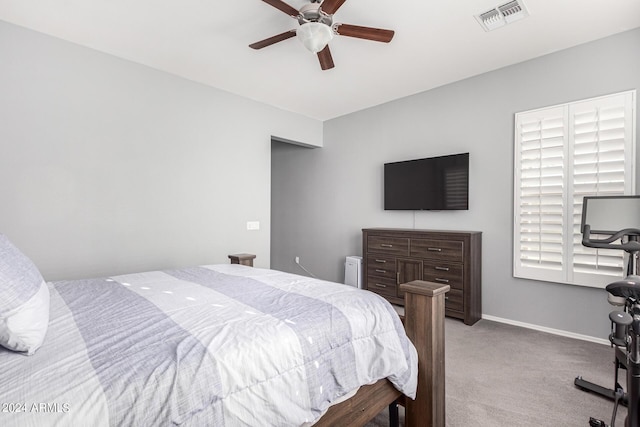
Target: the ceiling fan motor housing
(313, 13)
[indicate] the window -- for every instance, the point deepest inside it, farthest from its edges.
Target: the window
(563, 153)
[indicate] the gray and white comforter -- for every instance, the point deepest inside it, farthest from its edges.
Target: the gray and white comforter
(223, 345)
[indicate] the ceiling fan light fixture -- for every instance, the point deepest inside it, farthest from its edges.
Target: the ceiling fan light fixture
(314, 35)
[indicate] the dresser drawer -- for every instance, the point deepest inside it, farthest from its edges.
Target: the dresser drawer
(384, 286)
(379, 265)
(446, 250)
(388, 245)
(444, 273)
(381, 260)
(454, 300)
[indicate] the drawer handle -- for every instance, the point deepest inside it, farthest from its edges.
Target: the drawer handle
(381, 285)
(381, 271)
(442, 280)
(434, 249)
(381, 261)
(446, 298)
(386, 245)
(442, 268)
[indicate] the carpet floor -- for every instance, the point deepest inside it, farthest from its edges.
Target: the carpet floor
(504, 375)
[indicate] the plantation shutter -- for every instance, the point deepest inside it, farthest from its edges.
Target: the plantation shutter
(540, 184)
(601, 167)
(562, 154)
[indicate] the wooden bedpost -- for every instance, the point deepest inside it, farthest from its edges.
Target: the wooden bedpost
(243, 259)
(424, 324)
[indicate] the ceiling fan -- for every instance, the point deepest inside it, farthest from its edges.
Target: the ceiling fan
(317, 28)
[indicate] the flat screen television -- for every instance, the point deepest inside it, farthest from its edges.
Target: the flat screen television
(434, 183)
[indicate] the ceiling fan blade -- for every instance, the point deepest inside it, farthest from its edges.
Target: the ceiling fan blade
(326, 61)
(279, 4)
(273, 40)
(375, 34)
(331, 6)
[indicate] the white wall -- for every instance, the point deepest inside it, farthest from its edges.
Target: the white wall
(322, 198)
(109, 167)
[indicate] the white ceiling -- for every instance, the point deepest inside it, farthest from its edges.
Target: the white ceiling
(207, 41)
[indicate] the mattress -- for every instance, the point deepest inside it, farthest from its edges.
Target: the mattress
(218, 345)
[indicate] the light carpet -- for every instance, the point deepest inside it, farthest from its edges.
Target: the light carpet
(504, 375)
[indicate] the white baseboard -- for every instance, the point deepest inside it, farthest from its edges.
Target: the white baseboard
(548, 330)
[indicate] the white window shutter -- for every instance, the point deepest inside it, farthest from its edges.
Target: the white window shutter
(539, 189)
(562, 154)
(602, 160)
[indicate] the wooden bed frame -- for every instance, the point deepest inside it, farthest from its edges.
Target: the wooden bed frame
(424, 324)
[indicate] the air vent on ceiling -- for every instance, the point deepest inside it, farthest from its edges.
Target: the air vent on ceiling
(502, 15)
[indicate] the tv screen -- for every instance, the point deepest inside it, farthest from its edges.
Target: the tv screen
(434, 183)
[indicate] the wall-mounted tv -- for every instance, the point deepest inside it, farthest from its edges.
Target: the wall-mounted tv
(434, 183)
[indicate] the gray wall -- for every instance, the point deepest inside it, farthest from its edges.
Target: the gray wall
(322, 198)
(109, 167)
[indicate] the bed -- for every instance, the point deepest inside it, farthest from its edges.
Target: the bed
(217, 345)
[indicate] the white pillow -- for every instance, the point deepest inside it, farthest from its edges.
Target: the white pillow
(24, 301)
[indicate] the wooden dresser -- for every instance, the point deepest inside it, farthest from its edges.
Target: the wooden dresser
(395, 256)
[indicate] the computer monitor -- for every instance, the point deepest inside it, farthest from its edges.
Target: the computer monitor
(610, 214)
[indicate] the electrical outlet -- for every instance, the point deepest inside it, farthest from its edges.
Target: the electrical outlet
(297, 260)
(253, 225)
